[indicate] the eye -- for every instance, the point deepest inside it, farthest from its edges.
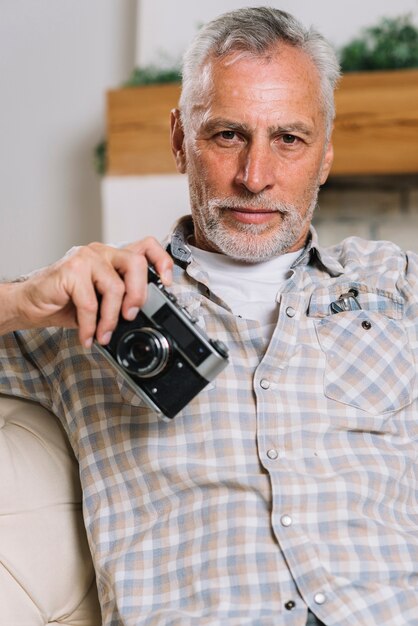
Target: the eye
(227, 134)
(289, 139)
(228, 138)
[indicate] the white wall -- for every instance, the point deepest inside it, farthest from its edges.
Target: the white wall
(57, 58)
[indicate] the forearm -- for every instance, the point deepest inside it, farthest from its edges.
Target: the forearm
(11, 317)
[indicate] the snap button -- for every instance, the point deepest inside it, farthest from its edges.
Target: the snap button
(366, 325)
(290, 311)
(264, 383)
(286, 520)
(320, 598)
(272, 454)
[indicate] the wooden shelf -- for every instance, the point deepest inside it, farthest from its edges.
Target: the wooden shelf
(138, 130)
(376, 129)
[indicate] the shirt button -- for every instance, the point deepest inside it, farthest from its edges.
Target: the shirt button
(290, 311)
(286, 520)
(272, 454)
(290, 605)
(320, 598)
(264, 383)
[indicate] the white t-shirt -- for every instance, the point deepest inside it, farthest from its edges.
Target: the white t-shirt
(249, 289)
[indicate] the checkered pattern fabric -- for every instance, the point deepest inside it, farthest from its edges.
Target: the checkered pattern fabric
(289, 482)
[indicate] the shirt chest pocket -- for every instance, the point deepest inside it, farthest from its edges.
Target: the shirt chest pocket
(369, 364)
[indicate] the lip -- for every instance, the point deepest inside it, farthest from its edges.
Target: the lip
(252, 216)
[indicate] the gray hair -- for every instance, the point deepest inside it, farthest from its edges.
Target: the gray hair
(255, 31)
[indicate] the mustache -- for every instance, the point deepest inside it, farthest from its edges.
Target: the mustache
(251, 203)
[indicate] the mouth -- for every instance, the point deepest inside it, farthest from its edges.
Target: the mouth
(252, 215)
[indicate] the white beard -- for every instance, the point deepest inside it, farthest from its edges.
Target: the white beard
(252, 242)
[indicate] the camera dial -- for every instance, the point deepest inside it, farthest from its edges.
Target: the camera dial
(143, 352)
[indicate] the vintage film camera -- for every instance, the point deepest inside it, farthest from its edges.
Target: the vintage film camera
(163, 355)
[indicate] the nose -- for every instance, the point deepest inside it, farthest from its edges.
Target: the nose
(256, 169)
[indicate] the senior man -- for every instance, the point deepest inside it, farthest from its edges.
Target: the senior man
(285, 493)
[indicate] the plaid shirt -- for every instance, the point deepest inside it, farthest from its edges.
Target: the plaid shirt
(289, 482)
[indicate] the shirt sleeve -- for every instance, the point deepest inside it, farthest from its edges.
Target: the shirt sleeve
(29, 364)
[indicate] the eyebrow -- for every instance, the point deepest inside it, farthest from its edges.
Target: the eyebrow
(213, 124)
(298, 127)
(216, 122)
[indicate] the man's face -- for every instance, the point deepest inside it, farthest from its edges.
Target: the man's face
(255, 154)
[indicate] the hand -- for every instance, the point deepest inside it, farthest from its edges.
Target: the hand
(65, 293)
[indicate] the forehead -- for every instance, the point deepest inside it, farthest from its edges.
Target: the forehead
(282, 82)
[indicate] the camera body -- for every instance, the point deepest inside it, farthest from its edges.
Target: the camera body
(162, 354)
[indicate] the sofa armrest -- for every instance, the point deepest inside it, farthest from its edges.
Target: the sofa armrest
(46, 571)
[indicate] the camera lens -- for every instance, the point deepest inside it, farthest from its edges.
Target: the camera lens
(144, 352)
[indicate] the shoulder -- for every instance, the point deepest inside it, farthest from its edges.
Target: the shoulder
(355, 251)
(382, 263)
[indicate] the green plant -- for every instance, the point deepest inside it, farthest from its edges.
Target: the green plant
(152, 75)
(391, 44)
(100, 157)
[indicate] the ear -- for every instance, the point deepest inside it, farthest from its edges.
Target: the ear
(327, 163)
(177, 141)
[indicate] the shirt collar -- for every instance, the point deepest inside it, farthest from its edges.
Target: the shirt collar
(315, 255)
(311, 254)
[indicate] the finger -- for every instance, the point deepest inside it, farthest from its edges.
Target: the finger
(156, 255)
(107, 268)
(87, 272)
(132, 269)
(120, 277)
(84, 299)
(112, 290)
(132, 263)
(136, 286)
(90, 276)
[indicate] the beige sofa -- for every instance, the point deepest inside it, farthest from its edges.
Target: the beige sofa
(46, 572)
